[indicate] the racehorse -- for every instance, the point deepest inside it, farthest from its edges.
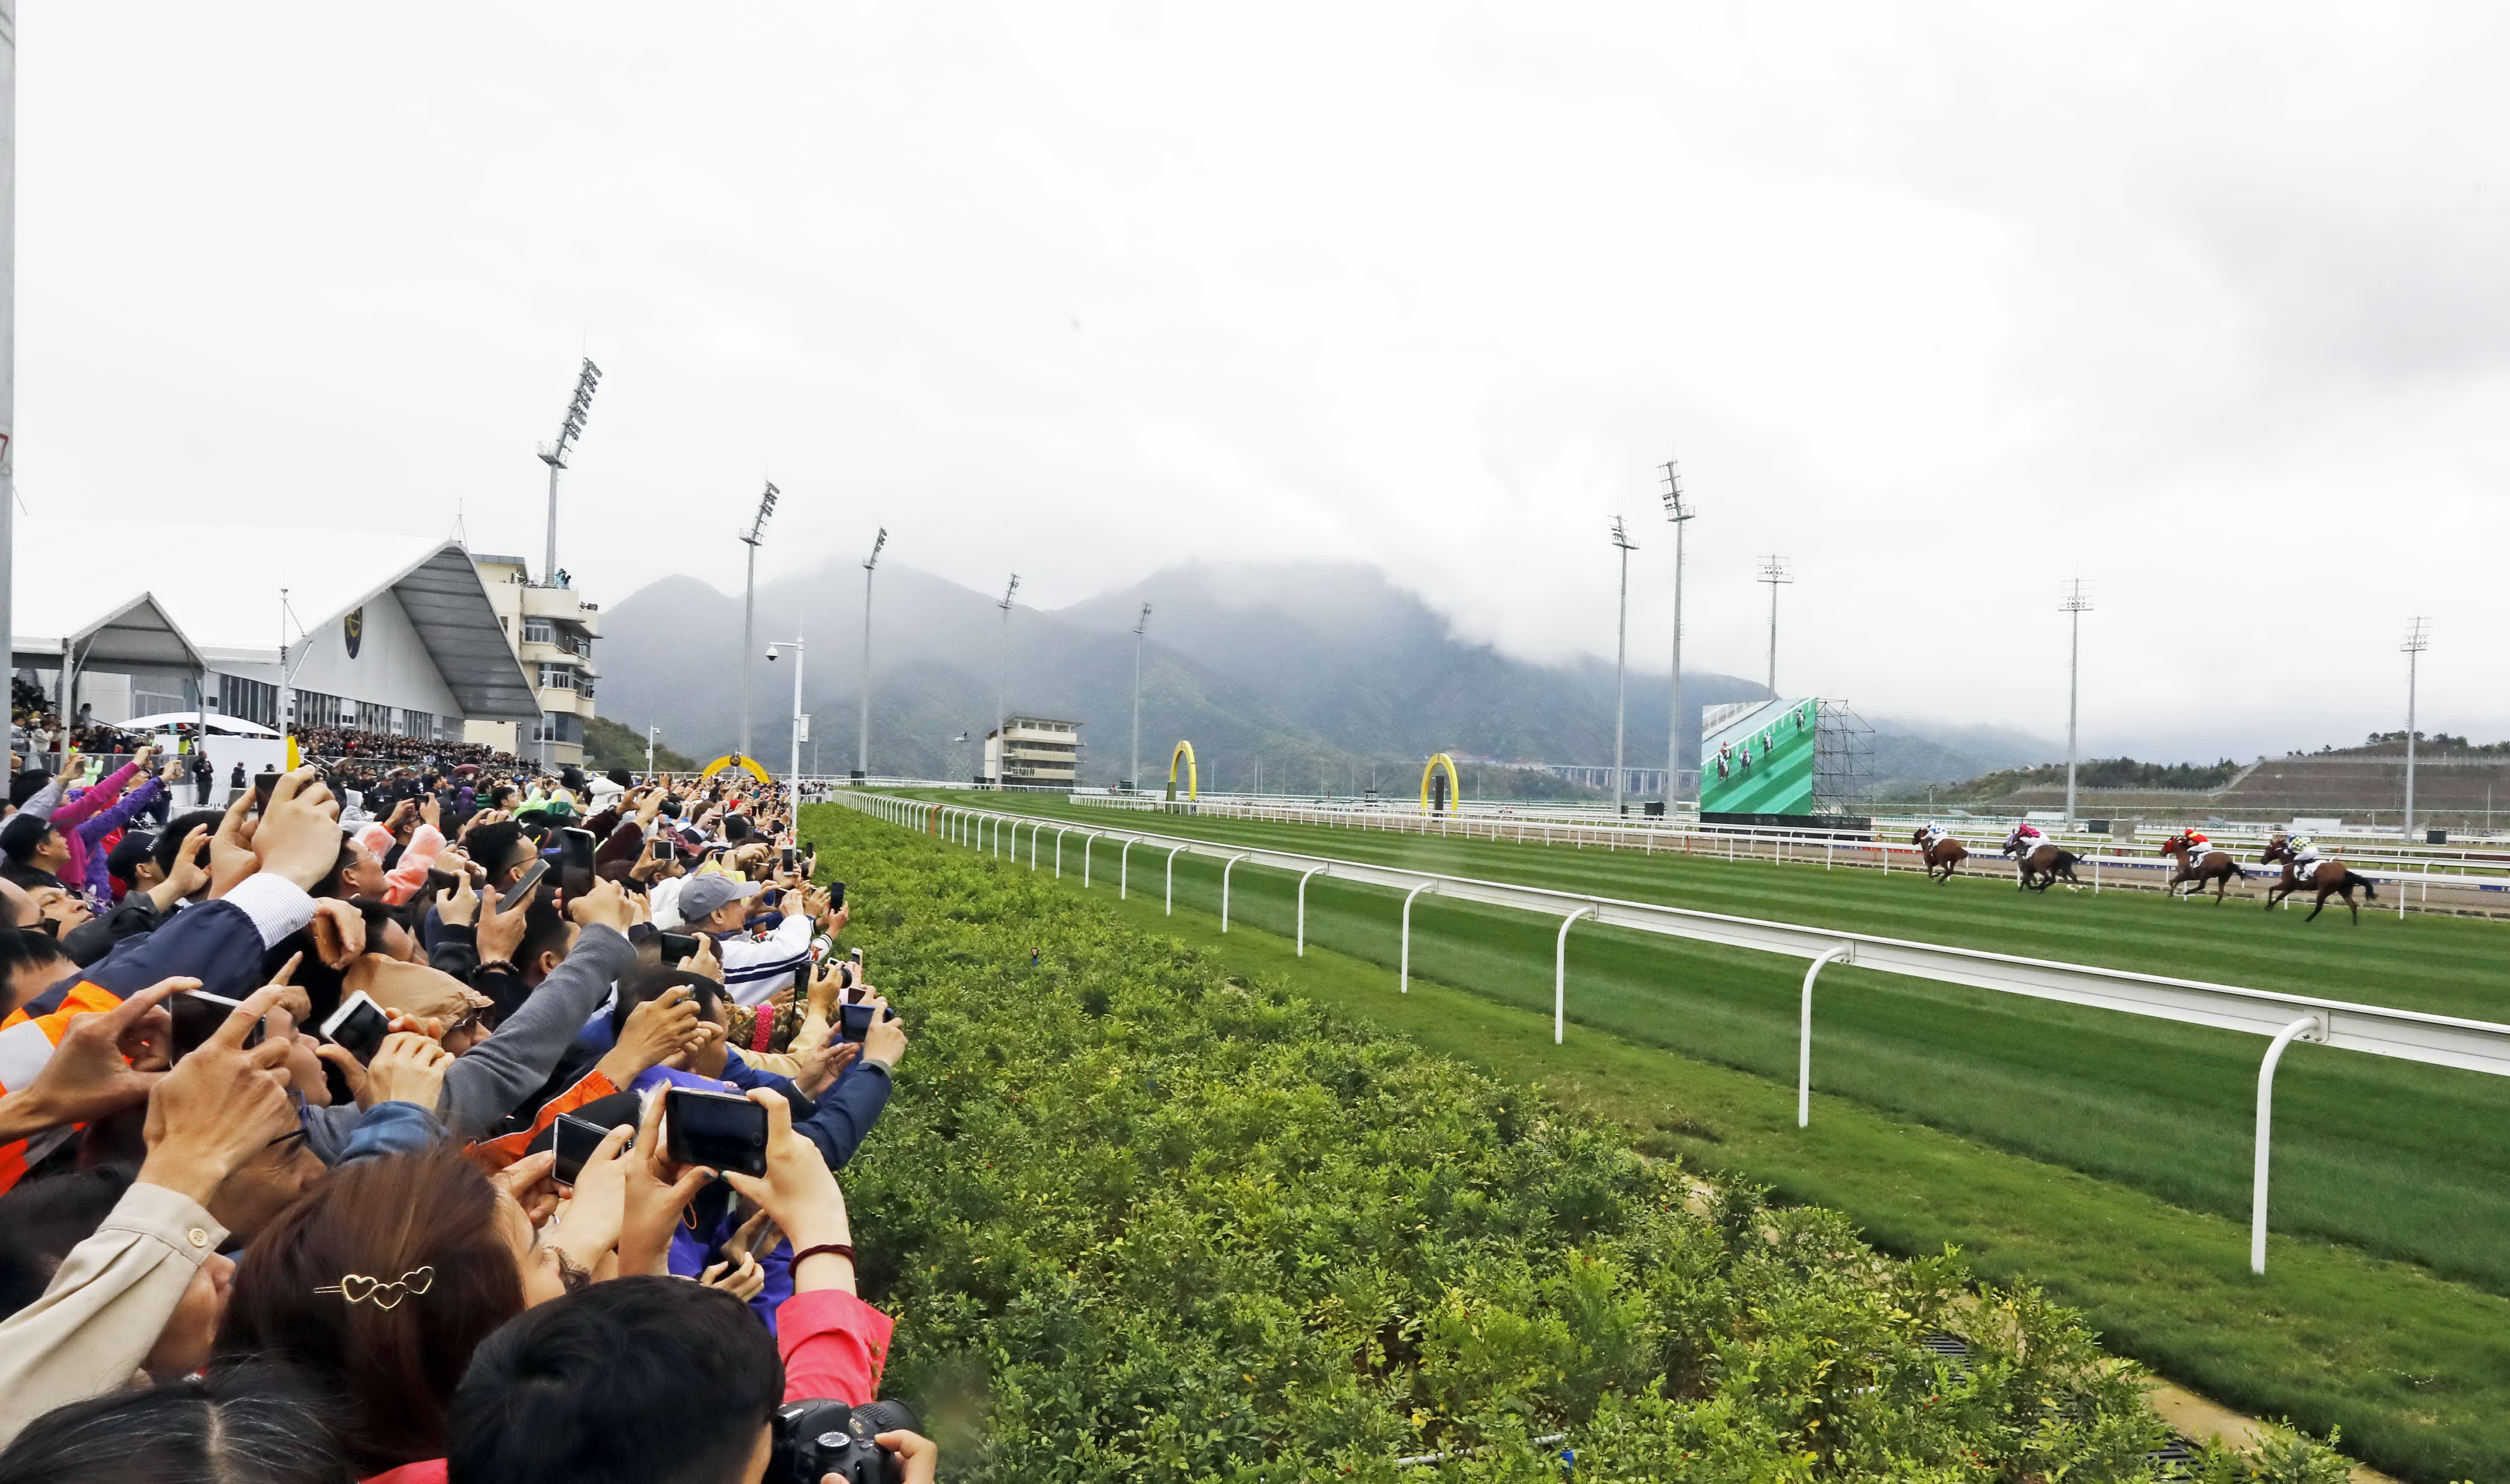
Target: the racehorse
(2326, 878)
(1945, 854)
(2044, 866)
(2214, 865)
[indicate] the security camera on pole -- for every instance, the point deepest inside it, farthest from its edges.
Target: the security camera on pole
(752, 537)
(1678, 513)
(1621, 664)
(801, 723)
(1001, 694)
(862, 727)
(1133, 775)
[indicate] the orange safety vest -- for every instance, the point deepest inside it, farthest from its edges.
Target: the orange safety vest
(28, 1038)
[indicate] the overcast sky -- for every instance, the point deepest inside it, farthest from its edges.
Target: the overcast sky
(2210, 307)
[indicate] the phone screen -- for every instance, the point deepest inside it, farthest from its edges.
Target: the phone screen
(676, 945)
(854, 1022)
(716, 1130)
(196, 1015)
(531, 879)
(787, 857)
(262, 784)
(575, 1140)
(575, 861)
(836, 895)
(359, 1026)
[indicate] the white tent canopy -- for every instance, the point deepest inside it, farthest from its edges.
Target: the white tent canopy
(168, 720)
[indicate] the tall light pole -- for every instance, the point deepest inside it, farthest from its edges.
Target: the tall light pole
(863, 726)
(650, 731)
(570, 428)
(1133, 778)
(1773, 573)
(554, 456)
(752, 538)
(2418, 640)
(1622, 544)
(8, 313)
(793, 769)
(1003, 694)
(1678, 513)
(2074, 605)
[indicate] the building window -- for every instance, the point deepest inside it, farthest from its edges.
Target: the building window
(248, 700)
(539, 631)
(558, 678)
(374, 717)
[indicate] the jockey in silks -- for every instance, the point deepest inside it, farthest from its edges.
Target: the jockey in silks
(2197, 843)
(2024, 839)
(2303, 851)
(1936, 833)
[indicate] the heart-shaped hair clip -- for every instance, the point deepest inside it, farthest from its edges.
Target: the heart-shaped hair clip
(357, 1287)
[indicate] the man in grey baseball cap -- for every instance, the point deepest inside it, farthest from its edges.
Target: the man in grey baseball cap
(703, 899)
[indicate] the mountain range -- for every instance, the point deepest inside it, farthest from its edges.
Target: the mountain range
(1327, 675)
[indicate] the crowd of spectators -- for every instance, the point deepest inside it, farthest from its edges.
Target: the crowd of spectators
(485, 1130)
(355, 743)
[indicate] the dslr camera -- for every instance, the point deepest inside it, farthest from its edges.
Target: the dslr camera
(820, 1438)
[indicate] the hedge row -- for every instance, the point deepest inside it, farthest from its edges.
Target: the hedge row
(1140, 1221)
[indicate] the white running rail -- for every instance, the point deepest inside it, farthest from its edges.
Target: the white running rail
(2379, 1030)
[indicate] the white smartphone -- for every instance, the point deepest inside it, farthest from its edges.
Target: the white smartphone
(359, 1024)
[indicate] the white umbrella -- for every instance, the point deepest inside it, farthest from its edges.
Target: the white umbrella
(165, 721)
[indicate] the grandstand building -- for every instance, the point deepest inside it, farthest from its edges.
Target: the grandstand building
(551, 629)
(282, 628)
(1043, 754)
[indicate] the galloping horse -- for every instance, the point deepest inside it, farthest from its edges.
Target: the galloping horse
(1945, 854)
(2214, 865)
(2326, 878)
(2044, 866)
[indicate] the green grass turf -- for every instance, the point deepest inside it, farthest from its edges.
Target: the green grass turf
(2414, 1368)
(2401, 1160)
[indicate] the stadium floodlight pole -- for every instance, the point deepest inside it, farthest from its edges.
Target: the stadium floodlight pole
(2076, 602)
(2418, 640)
(1133, 778)
(752, 537)
(1678, 514)
(1003, 694)
(1773, 573)
(570, 428)
(863, 726)
(650, 731)
(1622, 544)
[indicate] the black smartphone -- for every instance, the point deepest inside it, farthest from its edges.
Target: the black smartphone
(715, 1128)
(854, 1022)
(786, 857)
(196, 1015)
(575, 1140)
(574, 849)
(262, 784)
(677, 945)
(441, 882)
(531, 879)
(359, 1026)
(836, 895)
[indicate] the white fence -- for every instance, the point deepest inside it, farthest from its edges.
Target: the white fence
(2481, 1046)
(2401, 877)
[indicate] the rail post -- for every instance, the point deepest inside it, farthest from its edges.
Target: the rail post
(1804, 1046)
(1124, 869)
(1086, 846)
(1226, 868)
(1171, 904)
(2307, 1027)
(1058, 850)
(1302, 909)
(1560, 975)
(1034, 830)
(1403, 981)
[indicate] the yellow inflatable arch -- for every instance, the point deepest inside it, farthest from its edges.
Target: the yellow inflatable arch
(1192, 779)
(1454, 785)
(735, 759)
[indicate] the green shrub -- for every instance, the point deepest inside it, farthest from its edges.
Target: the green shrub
(1140, 1222)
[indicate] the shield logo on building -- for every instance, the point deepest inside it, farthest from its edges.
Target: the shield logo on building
(353, 629)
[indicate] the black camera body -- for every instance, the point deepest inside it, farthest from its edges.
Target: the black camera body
(820, 1438)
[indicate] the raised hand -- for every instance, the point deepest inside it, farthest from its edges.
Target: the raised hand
(220, 1106)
